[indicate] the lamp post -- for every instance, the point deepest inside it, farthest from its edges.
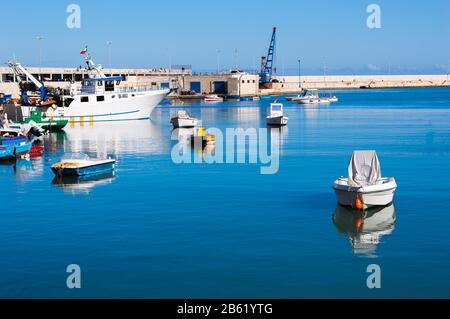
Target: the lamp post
(299, 74)
(109, 43)
(40, 38)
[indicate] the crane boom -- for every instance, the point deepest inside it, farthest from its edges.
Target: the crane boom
(19, 70)
(267, 62)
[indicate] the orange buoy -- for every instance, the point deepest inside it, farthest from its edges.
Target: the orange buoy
(358, 203)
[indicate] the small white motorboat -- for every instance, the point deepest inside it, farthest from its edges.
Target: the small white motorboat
(310, 96)
(183, 119)
(364, 186)
(213, 98)
(276, 115)
(333, 99)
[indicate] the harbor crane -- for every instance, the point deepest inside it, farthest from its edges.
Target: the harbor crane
(267, 62)
(23, 75)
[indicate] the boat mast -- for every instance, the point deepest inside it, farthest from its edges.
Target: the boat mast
(91, 66)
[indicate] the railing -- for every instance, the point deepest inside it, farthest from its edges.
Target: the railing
(138, 89)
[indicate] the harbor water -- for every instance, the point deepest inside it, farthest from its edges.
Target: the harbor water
(158, 229)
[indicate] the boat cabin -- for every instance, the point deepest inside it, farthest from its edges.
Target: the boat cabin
(101, 85)
(276, 109)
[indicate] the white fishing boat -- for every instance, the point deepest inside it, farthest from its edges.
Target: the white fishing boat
(364, 186)
(183, 119)
(103, 99)
(276, 115)
(213, 98)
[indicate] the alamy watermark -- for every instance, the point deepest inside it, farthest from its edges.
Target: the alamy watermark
(374, 279)
(73, 20)
(236, 146)
(374, 19)
(73, 281)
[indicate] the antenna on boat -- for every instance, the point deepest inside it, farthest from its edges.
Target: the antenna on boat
(91, 66)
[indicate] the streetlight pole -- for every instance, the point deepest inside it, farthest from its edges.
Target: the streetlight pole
(299, 74)
(109, 43)
(40, 38)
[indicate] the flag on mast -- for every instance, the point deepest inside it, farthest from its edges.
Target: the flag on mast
(84, 51)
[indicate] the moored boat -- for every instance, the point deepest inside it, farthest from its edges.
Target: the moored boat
(101, 98)
(15, 141)
(310, 96)
(5, 98)
(276, 115)
(7, 153)
(213, 98)
(364, 186)
(39, 119)
(333, 99)
(81, 165)
(183, 120)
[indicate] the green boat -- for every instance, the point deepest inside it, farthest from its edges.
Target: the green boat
(35, 115)
(48, 124)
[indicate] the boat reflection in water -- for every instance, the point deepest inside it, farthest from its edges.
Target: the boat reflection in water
(365, 229)
(105, 139)
(82, 185)
(185, 149)
(279, 134)
(23, 169)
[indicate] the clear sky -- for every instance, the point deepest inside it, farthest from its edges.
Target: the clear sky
(414, 35)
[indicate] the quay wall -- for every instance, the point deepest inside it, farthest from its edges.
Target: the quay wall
(357, 81)
(247, 84)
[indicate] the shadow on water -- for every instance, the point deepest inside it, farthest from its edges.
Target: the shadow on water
(82, 185)
(365, 229)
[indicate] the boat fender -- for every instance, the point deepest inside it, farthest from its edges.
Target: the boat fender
(358, 203)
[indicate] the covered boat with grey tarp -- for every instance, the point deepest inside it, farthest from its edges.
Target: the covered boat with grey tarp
(364, 182)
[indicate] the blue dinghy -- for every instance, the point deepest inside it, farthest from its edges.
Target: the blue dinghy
(82, 165)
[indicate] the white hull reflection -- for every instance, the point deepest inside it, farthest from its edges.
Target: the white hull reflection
(365, 229)
(111, 139)
(82, 185)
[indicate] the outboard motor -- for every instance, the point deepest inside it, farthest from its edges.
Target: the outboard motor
(34, 131)
(31, 130)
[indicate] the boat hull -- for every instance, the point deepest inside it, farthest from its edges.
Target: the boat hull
(7, 153)
(277, 121)
(115, 107)
(375, 195)
(23, 148)
(92, 169)
(183, 122)
(311, 101)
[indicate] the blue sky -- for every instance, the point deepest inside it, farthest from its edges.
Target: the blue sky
(415, 35)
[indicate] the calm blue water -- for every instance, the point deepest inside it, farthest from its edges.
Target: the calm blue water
(159, 230)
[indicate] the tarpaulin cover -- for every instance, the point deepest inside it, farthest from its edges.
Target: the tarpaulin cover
(364, 168)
